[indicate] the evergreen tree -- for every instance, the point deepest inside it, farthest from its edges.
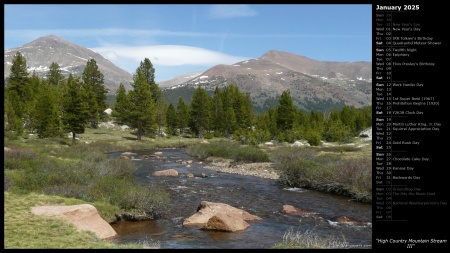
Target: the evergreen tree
(347, 117)
(13, 122)
(229, 119)
(19, 77)
(95, 91)
(334, 115)
(54, 76)
(335, 130)
(272, 121)
(142, 114)
(121, 106)
(18, 92)
(301, 124)
(367, 114)
(316, 119)
(148, 71)
(200, 113)
(160, 112)
(47, 112)
(246, 109)
(218, 114)
(182, 115)
(229, 122)
(316, 129)
(171, 120)
(29, 106)
(75, 110)
(242, 106)
(237, 108)
(286, 111)
(261, 130)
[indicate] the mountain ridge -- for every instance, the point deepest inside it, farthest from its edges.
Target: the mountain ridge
(71, 58)
(314, 84)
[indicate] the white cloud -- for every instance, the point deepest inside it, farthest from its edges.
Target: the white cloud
(231, 11)
(168, 55)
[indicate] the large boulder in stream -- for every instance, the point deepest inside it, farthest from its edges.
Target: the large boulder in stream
(166, 173)
(225, 222)
(289, 209)
(220, 216)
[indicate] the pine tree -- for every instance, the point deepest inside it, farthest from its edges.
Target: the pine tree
(75, 110)
(218, 114)
(171, 119)
(96, 92)
(18, 93)
(317, 124)
(13, 122)
(286, 111)
(316, 118)
(241, 104)
(19, 77)
(262, 122)
(182, 115)
(47, 112)
(122, 105)
(148, 71)
(200, 113)
(246, 110)
(54, 76)
(142, 114)
(335, 130)
(29, 107)
(229, 119)
(347, 117)
(160, 112)
(272, 121)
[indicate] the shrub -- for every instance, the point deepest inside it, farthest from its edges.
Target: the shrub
(313, 138)
(82, 172)
(250, 154)
(302, 167)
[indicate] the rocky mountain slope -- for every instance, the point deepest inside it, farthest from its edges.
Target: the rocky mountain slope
(313, 84)
(178, 80)
(70, 57)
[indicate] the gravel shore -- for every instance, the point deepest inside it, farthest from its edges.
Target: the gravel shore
(264, 170)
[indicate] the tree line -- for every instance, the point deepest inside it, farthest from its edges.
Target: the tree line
(53, 106)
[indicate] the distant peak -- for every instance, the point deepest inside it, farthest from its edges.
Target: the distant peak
(275, 53)
(53, 37)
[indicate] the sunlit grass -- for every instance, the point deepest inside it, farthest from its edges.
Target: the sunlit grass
(24, 230)
(310, 240)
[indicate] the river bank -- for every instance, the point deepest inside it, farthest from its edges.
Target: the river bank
(248, 186)
(262, 170)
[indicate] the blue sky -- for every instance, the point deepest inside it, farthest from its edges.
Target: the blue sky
(182, 38)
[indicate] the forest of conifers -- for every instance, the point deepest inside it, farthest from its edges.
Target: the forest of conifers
(53, 106)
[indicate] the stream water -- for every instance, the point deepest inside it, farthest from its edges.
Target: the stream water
(258, 196)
